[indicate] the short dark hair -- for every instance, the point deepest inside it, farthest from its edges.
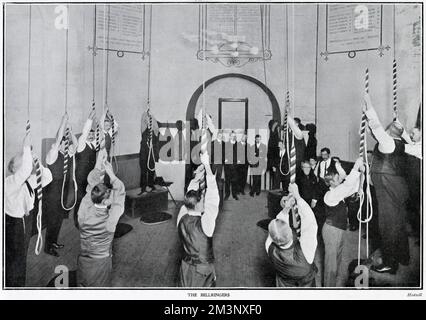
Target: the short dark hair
(192, 197)
(99, 192)
(305, 161)
(325, 150)
(257, 136)
(329, 177)
(311, 128)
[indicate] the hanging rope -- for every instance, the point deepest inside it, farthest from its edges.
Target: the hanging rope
(38, 188)
(67, 131)
(394, 71)
(285, 137)
(394, 90)
(150, 128)
(365, 177)
(97, 132)
(107, 58)
(294, 211)
(284, 131)
(204, 138)
(262, 26)
(290, 150)
(93, 59)
(108, 114)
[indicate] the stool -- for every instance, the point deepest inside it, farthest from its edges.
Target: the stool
(167, 184)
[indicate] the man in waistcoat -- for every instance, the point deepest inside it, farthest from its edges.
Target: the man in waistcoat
(293, 258)
(196, 224)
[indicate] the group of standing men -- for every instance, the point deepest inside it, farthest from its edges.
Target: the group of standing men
(234, 159)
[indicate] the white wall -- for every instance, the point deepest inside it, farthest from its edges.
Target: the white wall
(341, 90)
(176, 74)
(175, 71)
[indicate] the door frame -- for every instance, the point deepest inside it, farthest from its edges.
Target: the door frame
(245, 100)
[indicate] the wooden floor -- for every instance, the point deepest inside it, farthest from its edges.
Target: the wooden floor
(148, 256)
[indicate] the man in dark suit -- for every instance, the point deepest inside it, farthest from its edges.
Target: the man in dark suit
(231, 176)
(280, 168)
(310, 190)
(257, 161)
(326, 164)
(217, 155)
(242, 164)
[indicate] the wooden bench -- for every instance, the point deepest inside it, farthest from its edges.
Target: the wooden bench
(129, 172)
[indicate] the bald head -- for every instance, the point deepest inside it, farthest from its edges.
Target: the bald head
(15, 163)
(280, 232)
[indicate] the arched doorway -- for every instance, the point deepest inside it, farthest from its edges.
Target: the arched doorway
(190, 111)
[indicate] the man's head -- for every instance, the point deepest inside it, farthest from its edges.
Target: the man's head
(100, 194)
(299, 123)
(280, 232)
(306, 167)
(287, 201)
(281, 144)
(311, 128)
(395, 130)
(416, 134)
(107, 124)
(244, 137)
(193, 123)
(332, 179)
(233, 136)
(91, 136)
(219, 135)
(193, 200)
(257, 138)
(313, 162)
(325, 154)
(272, 125)
(15, 163)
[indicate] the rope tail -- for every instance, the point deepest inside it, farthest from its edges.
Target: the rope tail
(66, 159)
(285, 137)
(39, 241)
(150, 145)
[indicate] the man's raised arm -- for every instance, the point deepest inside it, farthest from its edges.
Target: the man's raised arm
(386, 143)
(52, 155)
(211, 199)
(308, 225)
(85, 132)
(94, 176)
(298, 134)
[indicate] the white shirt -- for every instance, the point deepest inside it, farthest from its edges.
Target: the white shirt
(343, 190)
(324, 165)
(211, 207)
(414, 149)
(18, 200)
(308, 230)
(386, 142)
